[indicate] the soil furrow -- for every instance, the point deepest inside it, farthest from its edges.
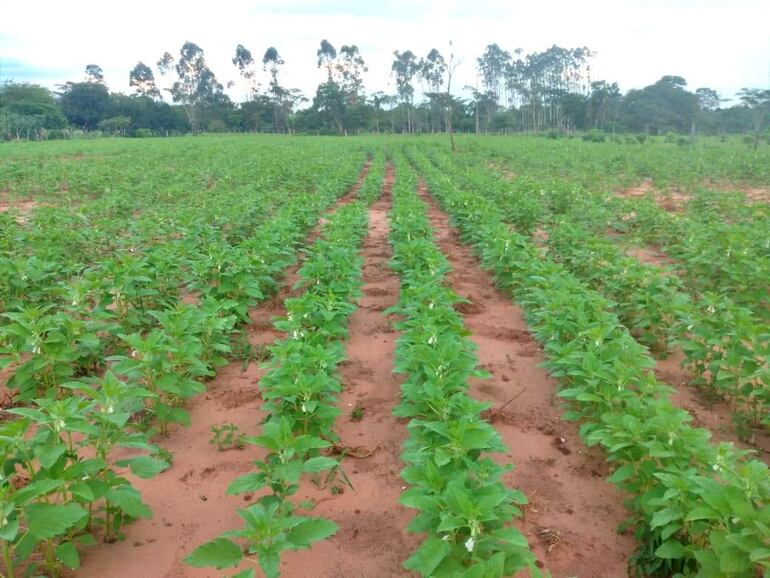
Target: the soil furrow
(572, 518)
(372, 541)
(188, 500)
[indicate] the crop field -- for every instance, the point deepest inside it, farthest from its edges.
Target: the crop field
(372, 357)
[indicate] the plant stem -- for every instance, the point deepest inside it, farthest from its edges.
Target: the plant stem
(8, 558)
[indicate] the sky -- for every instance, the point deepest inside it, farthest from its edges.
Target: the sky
(724, 45)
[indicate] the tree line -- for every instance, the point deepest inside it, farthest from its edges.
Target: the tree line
(544, 91)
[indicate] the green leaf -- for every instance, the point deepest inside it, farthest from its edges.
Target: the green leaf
(49, 456)
(670, 549)
(621, 474)
(319, 464)
(68, 554)
(145, 467)
(129, 501)
(246, 483)
(219, 553)
(270, 562)
(701, 513)
(248, 573)
(428, 556)
(49, 520)
(664, 516)
(759, 554)
(309, 531)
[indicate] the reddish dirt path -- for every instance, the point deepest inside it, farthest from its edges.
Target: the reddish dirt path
(573, 512)
(372, 541)
(188, 500)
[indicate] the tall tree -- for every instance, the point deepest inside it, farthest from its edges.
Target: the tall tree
(432, 69)
(450, 70)
(243, 61)
(273, 60)
(196, 86)
(492, 65)
(757, 101)
(94, 73)
(351, 68)
(405, 66)
(326, 55)
(708, 98)
(142, 80)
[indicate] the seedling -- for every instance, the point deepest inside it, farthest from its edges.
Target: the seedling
(227, 436)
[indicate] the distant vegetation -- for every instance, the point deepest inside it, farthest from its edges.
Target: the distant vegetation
(544, 92)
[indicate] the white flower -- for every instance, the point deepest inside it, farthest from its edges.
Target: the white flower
(470, 543)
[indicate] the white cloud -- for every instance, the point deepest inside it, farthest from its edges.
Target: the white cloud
(724, 45)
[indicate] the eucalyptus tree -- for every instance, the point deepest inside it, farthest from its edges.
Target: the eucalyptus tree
(351, 67)
(432, 70)
(196, 87)
(273, 61)
(405, 66)
(326, 57)
(244, 62)
(493, 65)
(142, 80)
(94, 73)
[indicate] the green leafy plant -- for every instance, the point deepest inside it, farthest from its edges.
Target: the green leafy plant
(227, 436)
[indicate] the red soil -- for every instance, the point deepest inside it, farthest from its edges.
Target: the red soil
(372, 540)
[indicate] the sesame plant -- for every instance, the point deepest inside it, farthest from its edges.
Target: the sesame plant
(696, 508)
(464, 509)
(300, 391)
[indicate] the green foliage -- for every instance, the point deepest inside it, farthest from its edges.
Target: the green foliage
(669, 468)
(300, 390)
(463, 506)
(110, 326)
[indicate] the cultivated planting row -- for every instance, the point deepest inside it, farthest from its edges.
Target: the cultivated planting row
(300, 393)
(464, 508)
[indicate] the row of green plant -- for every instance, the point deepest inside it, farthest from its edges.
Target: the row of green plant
(725, 345)
(464, 508)
(143, 209)
(697, 509)
(712, 254)
(720, 241)
(300, 392)
(725, 166)
(55, 495)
